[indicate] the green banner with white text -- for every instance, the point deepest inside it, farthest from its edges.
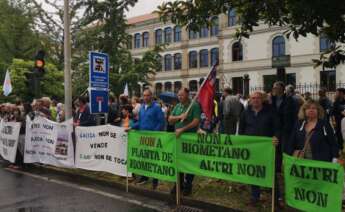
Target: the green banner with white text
(244, 159)
(313, 185)
(152, 154)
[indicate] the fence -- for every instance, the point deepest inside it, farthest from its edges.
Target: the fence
(312, 88)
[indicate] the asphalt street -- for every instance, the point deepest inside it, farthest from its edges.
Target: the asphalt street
(25, 192)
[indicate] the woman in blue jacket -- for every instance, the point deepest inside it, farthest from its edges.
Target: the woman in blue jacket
(313, 134)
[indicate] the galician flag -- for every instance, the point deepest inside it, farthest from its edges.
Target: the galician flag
(7, 88)
(125, 92)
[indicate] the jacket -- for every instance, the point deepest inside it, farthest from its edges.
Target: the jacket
(263, 123)
(324, 146)
(151, 118)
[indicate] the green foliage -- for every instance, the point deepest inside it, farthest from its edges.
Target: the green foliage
(17, 36)
(107, 30)
(51, 83)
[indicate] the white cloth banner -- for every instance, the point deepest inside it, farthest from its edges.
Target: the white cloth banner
(9, 136)
(49, 142)
(102, 148)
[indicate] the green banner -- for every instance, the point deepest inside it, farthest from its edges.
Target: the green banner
(244, 159)
(152, 154)
(313, 185)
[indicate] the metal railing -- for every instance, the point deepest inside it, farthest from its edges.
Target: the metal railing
(303, 88)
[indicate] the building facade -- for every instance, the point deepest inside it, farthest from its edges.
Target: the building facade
(189, 56)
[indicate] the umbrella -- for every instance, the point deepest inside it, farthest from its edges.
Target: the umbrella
(168, 97)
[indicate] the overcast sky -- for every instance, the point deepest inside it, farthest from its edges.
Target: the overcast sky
(141, 8)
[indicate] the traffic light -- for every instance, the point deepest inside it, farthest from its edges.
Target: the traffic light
(39, 62)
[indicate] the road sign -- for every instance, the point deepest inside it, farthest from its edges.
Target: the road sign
(99, 100)
(99, 70)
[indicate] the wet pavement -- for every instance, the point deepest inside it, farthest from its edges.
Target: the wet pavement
(23, 193)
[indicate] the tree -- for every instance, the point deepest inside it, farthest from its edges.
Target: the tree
(51, 83)
(107, 19)
(17, 37)
(50, 25)
(300, 17)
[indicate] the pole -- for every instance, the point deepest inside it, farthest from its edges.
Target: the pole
(274, 179)
(178, 190)
(67, 62)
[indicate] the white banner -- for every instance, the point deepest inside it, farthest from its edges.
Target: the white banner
(49, 142)
(9, 136)
(102, 148)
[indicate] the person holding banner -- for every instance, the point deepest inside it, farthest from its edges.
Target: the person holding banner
(313, 137)
(185, 122)
(150, 117)
(84, 116)
(259, 119)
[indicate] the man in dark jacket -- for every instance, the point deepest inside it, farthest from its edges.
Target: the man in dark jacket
(114, 114)
(325, 103)
(338, 113)
(286, 108)
(259, 120)
(84, 116)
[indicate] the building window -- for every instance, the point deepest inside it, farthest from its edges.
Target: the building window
(177, 61)
(237, 85)
(204, 32)
(177, 34)
(269, 80)
(130, 42)
(327, 80)
(145, 39)
(167, 35)
(168, 86)
(137, 40)
(214, 56)
(204, 58)
(193, 34)
(160, 62)
(325, 43)
(232, 19)
(214, 26)
(159, 36)
(193, 85)
(159, 88)
(278, 46)
(193, 59)
(167, 62)
(177, 86)
(237, 52)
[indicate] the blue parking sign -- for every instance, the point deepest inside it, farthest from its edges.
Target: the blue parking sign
(99, 100)
(99, 70)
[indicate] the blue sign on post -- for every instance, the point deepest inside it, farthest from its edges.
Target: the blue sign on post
(99, 82)
(99, 101)
(99, 70)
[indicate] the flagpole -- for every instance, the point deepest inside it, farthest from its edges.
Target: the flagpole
(198, 92)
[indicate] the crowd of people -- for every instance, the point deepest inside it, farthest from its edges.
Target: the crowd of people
(301, 126)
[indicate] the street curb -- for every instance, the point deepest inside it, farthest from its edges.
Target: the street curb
(162, 196)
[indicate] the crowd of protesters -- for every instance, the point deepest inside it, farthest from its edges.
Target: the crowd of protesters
(301, 126)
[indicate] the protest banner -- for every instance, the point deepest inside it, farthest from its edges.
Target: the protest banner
(313, 185)
(49, 142)
(152, 154)
(102, 148)
(9, 136)
(244, 159)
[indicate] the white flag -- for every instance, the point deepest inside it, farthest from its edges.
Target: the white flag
(125, 92)
(7, 88)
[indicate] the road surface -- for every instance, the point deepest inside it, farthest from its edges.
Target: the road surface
(26, 192)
